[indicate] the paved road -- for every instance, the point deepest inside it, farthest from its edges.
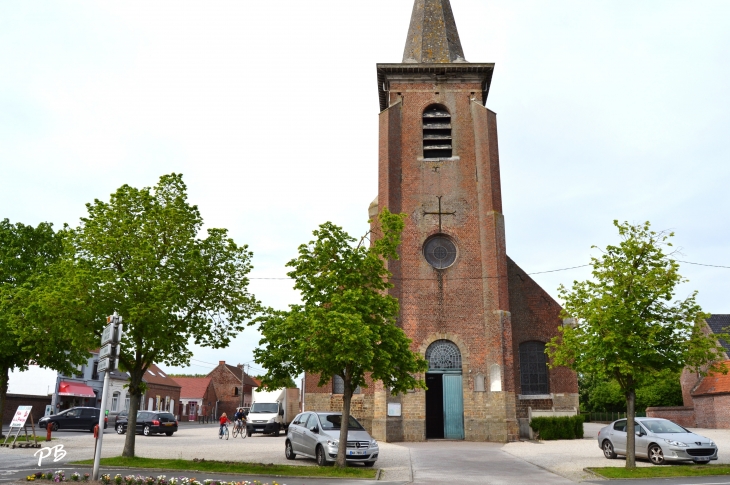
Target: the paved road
(461, 462)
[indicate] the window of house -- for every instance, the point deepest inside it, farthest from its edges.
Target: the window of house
(95, 372)
(533, 368)
(80, 372)
(235, 391)
(437, 132)
(338, 386)
(443, 355)
(126, 404)
(115, 402)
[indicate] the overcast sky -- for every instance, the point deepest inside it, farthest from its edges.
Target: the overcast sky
(606, 110)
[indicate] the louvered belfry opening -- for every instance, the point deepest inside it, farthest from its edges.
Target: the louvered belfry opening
(437, 132)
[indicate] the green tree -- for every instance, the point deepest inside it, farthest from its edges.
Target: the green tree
(29, 332)
(600, 395)
(141, 254)
(346, 324)
(627, 326)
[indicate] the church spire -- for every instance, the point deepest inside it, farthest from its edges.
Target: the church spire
(432, 36)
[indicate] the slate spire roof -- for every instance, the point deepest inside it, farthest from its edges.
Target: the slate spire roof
(432, 35)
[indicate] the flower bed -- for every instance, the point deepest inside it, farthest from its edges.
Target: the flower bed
(59, 476)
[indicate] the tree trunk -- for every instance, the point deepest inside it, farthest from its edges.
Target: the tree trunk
(4, 379)
(630, 428)
(135, 388)
(344, 424)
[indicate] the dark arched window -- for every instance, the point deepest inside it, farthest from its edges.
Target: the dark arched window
(338, 386)
(436, 132)
(533, 368)
(443, 355)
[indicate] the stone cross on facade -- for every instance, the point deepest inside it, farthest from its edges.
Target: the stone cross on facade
(439, 213)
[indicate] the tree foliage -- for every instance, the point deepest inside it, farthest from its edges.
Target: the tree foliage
(141, 255)
(29, 331)
(346, 324)
(628, 328)
(601, 395)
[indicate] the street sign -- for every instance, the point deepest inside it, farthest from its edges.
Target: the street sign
(109, 350)
(106, 365)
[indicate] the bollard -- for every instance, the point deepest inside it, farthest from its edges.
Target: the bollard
(49, 428)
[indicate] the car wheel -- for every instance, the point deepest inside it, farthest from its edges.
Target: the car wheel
(321, 458)
(608, 450)
(54, 427)
(656, 455)
(278, 432)
(120, 429)
(169, 433)
(369, 463)
(146, 431)
(702, 463)
(289, 451)
(249, 433)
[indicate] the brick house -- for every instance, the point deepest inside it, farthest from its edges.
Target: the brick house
(706, 399)
(163, 392)
(197, 396)
(233, 388)
(479, 320)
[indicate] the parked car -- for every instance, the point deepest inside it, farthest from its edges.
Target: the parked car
(121, 416)
(84, 418)
(659, 440)
(317, 435)
(149, 422)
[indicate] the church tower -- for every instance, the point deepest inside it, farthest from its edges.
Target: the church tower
(477, 318)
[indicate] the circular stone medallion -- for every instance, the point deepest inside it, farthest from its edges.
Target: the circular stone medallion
(439, 251)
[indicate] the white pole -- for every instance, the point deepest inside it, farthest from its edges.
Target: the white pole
(102, 417)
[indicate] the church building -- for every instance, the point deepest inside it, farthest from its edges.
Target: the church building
(478, 319)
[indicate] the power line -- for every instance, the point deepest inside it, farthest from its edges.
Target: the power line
(504, 276)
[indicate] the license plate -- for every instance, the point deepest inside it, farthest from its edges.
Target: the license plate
(169, 424)
(702, 458)
(258, 429)
(355, 452)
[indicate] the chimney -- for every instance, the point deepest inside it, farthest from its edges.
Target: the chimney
(240, 366)
(221, 362)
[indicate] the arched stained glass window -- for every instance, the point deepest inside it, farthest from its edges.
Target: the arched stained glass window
(443, 355)
(533, 368)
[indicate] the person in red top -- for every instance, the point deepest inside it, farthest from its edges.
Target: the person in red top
(224, 421)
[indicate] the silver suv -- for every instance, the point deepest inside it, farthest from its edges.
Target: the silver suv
(659, 440)
(317, 435)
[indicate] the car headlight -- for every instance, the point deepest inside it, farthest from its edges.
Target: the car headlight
(712, 443)
(373, 443)
(676, 443)
(272, 420)
(333, 443)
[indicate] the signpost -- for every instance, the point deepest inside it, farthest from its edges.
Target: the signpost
(108, 360)
(20, 422)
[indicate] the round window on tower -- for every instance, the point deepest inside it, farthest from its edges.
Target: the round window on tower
(439, 251)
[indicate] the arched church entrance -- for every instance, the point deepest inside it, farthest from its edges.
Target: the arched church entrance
(444, 397)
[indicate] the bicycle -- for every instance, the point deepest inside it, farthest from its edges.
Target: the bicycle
(224, 433)
(239, 429)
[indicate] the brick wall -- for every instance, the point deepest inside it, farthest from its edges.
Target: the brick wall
(12, 402)
(225, 384)
(683, 416)
(712, 411)
(154, 390)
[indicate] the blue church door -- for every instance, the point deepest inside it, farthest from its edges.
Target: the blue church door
(453, 407)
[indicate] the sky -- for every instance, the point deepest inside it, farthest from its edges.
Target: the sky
(606, 110)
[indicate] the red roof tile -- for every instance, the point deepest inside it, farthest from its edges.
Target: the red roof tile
(193, 387)
(714, 383)
(155, 375)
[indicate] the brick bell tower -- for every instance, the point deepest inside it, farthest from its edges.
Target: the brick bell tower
(479, 320)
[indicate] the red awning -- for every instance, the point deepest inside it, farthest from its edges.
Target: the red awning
(75, 389)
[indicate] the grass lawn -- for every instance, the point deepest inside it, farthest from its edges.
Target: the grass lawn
(237, 467)
(21, 439)
(683, 470)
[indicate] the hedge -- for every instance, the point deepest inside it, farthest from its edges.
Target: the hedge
(563, 428)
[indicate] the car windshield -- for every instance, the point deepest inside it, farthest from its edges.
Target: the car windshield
(661, 426)
(333, 421)
(265, 408)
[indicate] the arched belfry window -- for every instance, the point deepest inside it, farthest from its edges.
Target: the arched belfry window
(443, 355)
(437, 132)
(533, 368)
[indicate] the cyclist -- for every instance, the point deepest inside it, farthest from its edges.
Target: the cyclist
(223, 421)
(240, 419)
